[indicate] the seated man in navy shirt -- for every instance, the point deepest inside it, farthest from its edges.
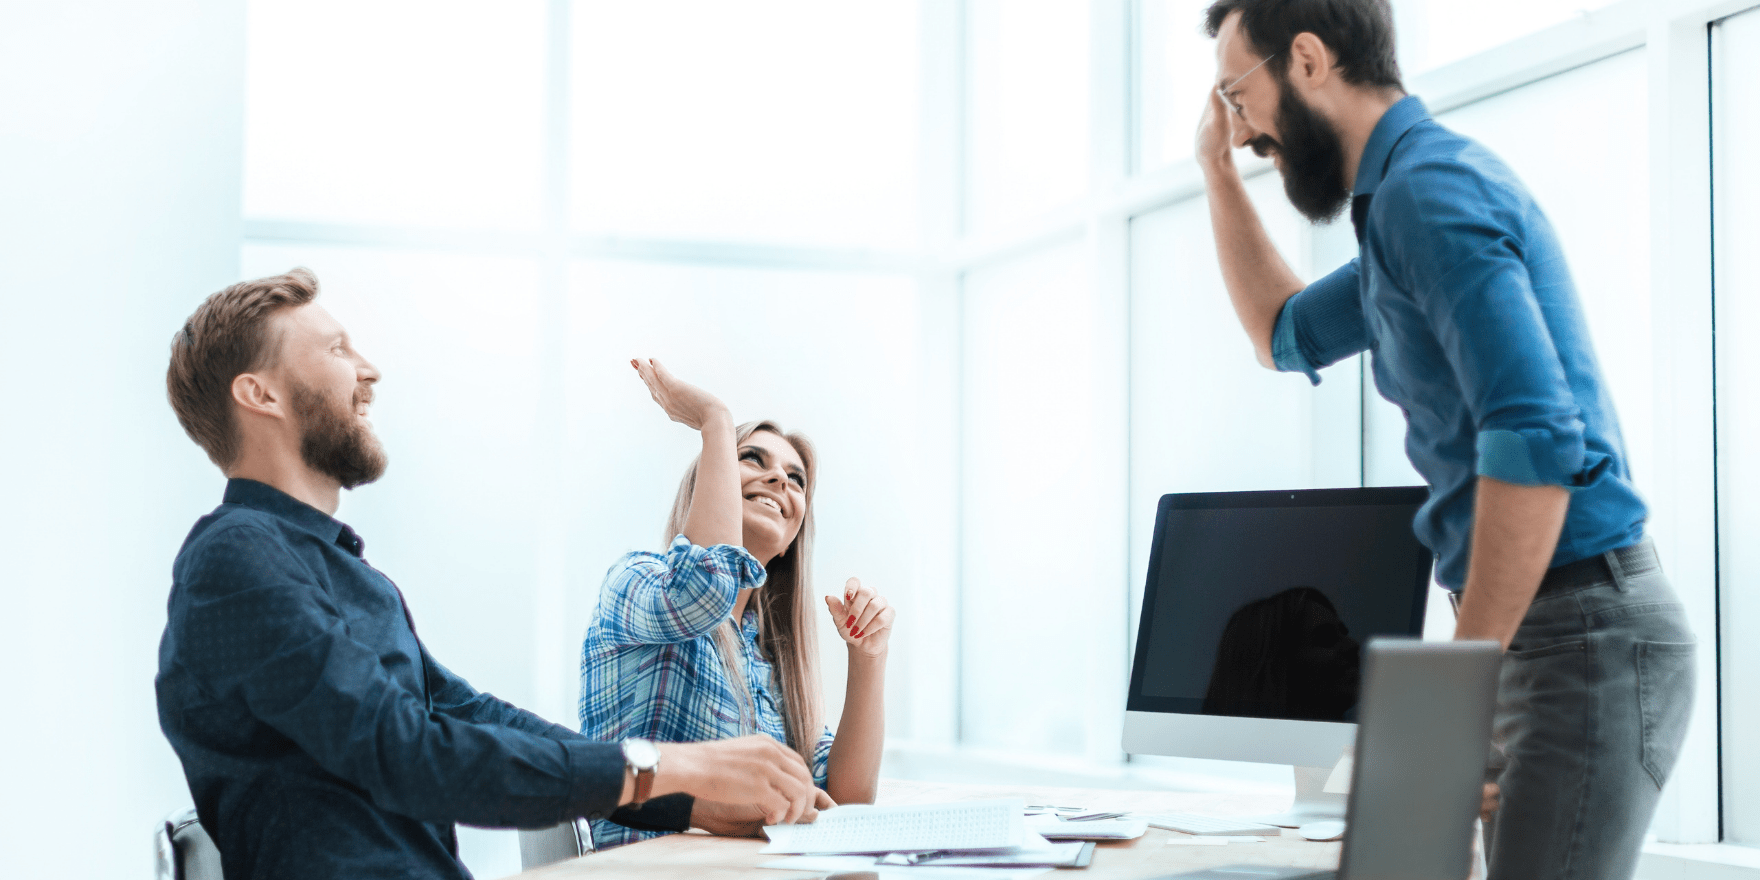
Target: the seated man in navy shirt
(319, 737)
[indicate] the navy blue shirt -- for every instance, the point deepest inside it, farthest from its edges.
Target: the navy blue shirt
(318, 736)
(1461, 292)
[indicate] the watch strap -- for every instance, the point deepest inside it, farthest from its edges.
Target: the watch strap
(644, 784)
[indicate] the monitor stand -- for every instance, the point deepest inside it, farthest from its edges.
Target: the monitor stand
(1312, 804)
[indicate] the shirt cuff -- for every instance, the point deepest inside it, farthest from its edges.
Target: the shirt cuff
(595, 775)
(1531, 457)
(1286, 353)
(729, 559)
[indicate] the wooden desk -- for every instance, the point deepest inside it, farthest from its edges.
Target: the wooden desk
(697, 855)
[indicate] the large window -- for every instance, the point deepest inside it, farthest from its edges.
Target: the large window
(789, 122)
(1435, 33)
(1204, 416)
(980, 228)
(1598, 106)
(393, 113)
(1038, 451)
(507, 202)
(1736, 122)
(1176, 69)
(1027, 80)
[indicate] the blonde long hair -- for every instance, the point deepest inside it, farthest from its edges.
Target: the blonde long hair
(785, 606)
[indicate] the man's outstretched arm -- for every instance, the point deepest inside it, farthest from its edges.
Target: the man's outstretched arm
(272, 636)
(455, 696)
(1258, 280)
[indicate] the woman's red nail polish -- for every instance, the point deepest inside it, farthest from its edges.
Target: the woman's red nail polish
(855, 634)
(850, 622)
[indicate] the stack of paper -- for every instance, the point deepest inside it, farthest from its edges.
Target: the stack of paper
(965, 839)
(1093, 829)
(966, 825)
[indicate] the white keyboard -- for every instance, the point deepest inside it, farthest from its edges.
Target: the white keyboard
(1192, 823)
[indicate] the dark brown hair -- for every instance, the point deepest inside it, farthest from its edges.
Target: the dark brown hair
(228, 334)
(1359, 33)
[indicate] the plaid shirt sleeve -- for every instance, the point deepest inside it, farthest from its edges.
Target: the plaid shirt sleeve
(822, 757)
(652, 598)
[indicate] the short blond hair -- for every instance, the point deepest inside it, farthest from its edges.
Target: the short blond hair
(228, 334)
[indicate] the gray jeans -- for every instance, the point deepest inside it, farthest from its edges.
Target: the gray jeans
(1592, 707)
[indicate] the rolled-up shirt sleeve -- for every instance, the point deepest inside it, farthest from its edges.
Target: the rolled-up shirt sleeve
(1457, 240)
(652, 598)
(273, 637)
(1321, 325)
(822, 757)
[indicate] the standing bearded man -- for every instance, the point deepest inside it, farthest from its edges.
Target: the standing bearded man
(1461, 292)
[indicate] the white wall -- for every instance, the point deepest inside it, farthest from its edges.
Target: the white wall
(120, 139)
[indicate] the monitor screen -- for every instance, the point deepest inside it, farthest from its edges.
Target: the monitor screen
(1258, 603)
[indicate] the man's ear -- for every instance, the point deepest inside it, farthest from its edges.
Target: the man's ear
(1310, 62)
(256, 394)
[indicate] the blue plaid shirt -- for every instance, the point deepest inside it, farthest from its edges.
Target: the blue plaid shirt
(650, 669)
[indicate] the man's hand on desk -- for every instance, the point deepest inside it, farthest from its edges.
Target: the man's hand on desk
(742, 820)
(751, 770)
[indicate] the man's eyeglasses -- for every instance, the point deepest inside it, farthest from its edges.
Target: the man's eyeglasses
(1225, 92)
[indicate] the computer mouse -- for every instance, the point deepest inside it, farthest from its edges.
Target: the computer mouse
(1325, 829)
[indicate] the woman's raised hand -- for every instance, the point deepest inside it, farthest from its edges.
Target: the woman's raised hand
(863, 618)
(683, 402)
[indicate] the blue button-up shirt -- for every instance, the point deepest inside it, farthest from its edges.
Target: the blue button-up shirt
(318, 736)
(1461, 292)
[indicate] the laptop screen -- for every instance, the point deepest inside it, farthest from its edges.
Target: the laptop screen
(1258, 603)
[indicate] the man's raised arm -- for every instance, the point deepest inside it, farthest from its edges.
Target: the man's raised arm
(1258, 280)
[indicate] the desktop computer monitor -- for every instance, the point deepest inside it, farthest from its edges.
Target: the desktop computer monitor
(1253, 619)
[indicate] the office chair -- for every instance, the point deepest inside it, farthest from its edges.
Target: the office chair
(548, 846)
(555, 843)
(183, 851)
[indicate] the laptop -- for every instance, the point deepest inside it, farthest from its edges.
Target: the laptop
(1422, 736)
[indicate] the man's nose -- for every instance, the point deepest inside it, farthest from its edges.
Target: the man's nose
(367, 371)
(1240, 132)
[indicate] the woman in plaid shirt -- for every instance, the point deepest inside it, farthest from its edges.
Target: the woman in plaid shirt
(685, 646)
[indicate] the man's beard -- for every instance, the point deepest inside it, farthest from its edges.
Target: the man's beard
(1313, 157)
(333, 441)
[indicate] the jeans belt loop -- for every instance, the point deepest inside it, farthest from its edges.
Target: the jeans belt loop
(1617, 567)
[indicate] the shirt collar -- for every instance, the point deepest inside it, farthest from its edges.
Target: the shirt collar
(1399, 119)
(268, 499)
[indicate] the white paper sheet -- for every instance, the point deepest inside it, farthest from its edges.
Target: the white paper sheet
(890, 872)
(988, 824)
(1099, 829)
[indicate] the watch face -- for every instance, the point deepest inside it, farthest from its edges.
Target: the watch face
(641, 754)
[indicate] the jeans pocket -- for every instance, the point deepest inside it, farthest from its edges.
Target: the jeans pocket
(1540, 692)
(1665, 701)
(1519, 654)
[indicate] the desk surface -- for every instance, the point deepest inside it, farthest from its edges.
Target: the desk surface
(697, 855)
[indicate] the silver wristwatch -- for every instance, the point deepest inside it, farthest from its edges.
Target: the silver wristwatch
(643, 759)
